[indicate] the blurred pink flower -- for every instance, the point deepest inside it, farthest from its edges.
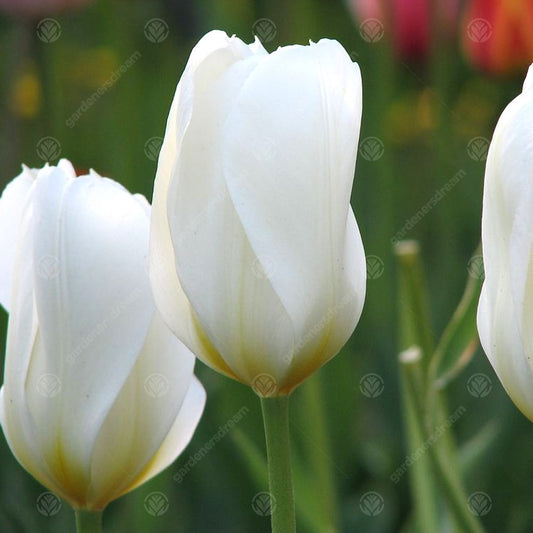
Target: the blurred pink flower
(38, 8)
(498, 35)
(408, 22)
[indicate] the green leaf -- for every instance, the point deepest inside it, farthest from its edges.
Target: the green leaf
(460, 338)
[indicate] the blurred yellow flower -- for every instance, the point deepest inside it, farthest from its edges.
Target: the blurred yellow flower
(25, 95)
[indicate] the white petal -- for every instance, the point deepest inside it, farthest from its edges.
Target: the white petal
(325, 338)
(94, 308)
(304, 103)
(180, 433)
(528, 82)
(505, 313)
(224, 292)
(142, 415)
(500, 337)
(12, 204)
(507, 214)
(170, 299)
(521, 269)
(211, 73)
(22, 343)
(66, 166)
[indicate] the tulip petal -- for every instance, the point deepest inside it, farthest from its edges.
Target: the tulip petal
(325, 339)
(22, 343)
(528, 82)
(90, 229)
(205, 95)
(180, 433)
(168, 293)
(497, 323)
(507, 213)
(293, 198)
(505, 314)
(12, 203)
(521, 269)
(66, 166)
(142, 416)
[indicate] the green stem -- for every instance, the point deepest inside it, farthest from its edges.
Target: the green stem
(318, 449)
(88, 521)
(422, 479)
(411, 367)
(276, 420)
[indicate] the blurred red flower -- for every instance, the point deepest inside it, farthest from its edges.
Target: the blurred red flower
(409, 22)
(498, 34)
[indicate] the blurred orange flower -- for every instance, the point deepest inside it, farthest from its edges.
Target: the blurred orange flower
(38, 8)
(498, 35)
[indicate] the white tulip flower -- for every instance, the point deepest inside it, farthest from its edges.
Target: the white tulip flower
(505, 313)
(256, 259)
(99, 396)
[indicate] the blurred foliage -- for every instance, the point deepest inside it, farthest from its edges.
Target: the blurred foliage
(426, 117)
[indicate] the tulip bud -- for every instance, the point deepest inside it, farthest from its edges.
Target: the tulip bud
(498, 35)
(505, 313)
(98, 395)
(257, 263)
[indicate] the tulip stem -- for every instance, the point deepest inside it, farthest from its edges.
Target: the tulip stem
(88, 521)
(276, 420)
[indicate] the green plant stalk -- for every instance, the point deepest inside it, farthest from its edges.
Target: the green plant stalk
(414, 316)
(449, 482)
(422, 479)
(88, 521)
(415, 329)
(319, 453)
(276, 421)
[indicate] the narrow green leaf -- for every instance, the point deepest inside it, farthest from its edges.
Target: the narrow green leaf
(460, 338)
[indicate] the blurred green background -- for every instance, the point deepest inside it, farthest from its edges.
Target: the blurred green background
(424, 119)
